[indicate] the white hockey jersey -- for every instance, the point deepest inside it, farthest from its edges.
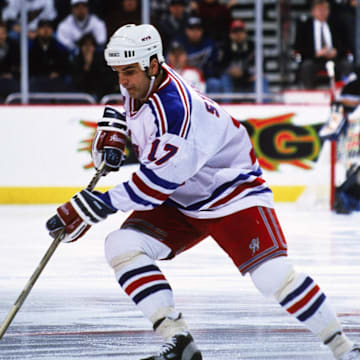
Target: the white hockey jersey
(193, 155)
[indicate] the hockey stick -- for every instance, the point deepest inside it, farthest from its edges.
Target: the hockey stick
(330, 68)
(20, 300)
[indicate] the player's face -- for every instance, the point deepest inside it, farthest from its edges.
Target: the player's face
(133, 79)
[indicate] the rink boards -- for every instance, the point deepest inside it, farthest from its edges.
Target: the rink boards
(46, 158)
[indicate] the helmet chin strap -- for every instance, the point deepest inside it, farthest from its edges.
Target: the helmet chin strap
(152, 82)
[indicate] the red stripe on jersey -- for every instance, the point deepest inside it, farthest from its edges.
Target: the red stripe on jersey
(237, 123)
(148, 190)
(258, 181)
(252, 156)
(146, 279)
(165, 82)
(186, 104)
(132, 107)
(161, 114)
(293, 309)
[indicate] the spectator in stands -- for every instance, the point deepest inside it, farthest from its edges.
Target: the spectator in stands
(216, 18)
(9, 63)
(158, 9)
(238, 61)
(173, 22)
(89, 71)
(202, 52)
(79, 23)
(121, 12)
(37, 10)
(63, 8)
(343, 12)
(318, 41)
(177, 59)
(48, 61)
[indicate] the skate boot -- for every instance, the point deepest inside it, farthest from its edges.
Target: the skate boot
(179, 347)
(353, 354)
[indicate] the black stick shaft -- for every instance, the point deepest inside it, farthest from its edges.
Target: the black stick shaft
(29, 285)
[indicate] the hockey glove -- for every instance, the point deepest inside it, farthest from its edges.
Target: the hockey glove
(110, 140)
(77, 215)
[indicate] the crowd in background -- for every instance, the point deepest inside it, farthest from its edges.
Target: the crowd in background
(201, 39)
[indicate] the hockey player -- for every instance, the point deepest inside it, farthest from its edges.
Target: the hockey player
(342, 127)
(198, 177)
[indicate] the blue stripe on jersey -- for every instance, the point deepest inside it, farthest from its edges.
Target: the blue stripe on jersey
(217, 192)
(173, 107)
(158, 180)
(157, 123)
(258, 192)
(179, 78)
(136, 198)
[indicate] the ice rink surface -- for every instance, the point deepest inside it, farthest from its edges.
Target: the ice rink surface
(76, 310)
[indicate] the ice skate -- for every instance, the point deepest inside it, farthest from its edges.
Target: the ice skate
(353, 354)
(179, 347)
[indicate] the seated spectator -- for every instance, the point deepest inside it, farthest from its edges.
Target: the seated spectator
(177, 59)
(9, 64)
(63, 8)
(48, 61)
(121, 12)
(202, 53)
(89, 71)
(173, 23)
(37, 10)
(216, 18)
(238, 60)
(79, 23)
(318, 41)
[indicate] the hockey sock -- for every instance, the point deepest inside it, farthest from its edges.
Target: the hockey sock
(145, 284)
(301, 297)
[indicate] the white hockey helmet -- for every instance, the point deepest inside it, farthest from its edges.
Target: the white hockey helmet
(134, 44)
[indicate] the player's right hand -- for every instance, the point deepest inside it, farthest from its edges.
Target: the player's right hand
(110, 140)
(75, 217)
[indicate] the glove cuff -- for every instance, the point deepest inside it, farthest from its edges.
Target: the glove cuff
(113, 120)
(105, 197)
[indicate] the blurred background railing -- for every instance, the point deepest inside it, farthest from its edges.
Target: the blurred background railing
(272, 26)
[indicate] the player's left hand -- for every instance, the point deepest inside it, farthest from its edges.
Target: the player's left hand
(109, 142)
(84, 209)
